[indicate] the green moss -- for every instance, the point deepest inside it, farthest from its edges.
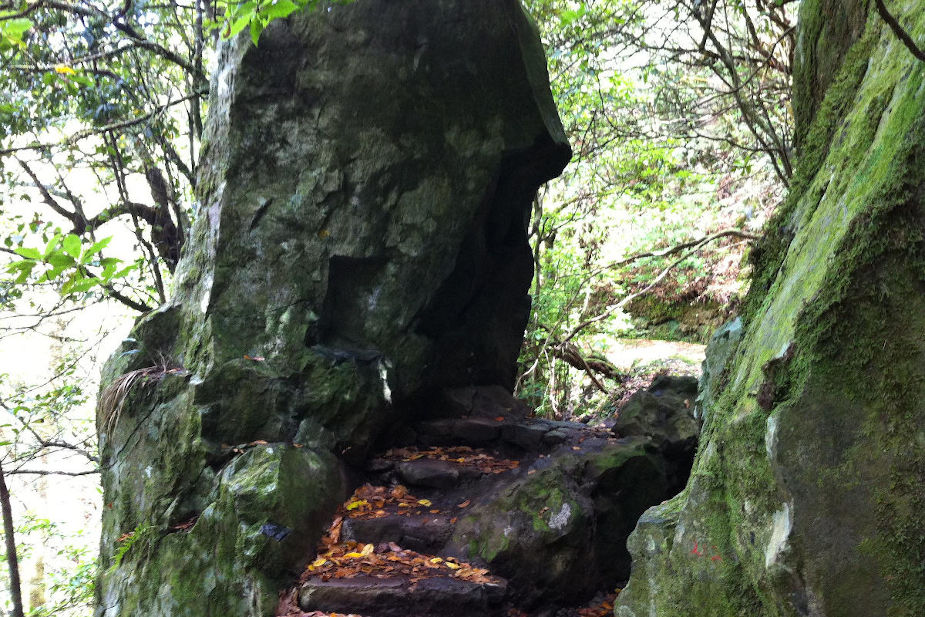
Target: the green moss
(488, 548)
(828, 28)
(684, 318)
(769, 253)
(841, 279)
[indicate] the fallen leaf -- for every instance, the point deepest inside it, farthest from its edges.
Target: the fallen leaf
(464, 504)
(357, 503)
(425, 502)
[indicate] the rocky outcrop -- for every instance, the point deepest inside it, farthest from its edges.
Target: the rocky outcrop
(361, 244)
(664, 415)
(806, 494)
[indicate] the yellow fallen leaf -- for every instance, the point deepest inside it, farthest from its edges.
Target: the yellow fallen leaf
(436, 560)
(356, 503)
(353, 555)
(452, 566)
(319, 562)
(367, 550)
(425, 502)
(63, 69)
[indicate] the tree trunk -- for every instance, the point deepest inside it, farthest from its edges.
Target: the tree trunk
(11, 559)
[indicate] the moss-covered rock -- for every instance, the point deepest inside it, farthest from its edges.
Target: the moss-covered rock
(361, 243)
(558, 533)
(714, 369)
(806, 494)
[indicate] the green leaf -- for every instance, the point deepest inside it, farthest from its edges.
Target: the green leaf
(51, 245)
(79, 285)
(25, 269)
(60, 260)
(237, 26)
(124, 271)
(96, 248)
(71, 245)
(256, 29)
(29, 253)
(12, 31)
(282, 8)
(25, 264)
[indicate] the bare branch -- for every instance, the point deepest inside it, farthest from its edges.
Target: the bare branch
(695, 244)
(899, 31)
(115, 126)
(51, 472)
(736, 233)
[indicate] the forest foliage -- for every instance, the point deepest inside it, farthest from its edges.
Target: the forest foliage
(677, 110)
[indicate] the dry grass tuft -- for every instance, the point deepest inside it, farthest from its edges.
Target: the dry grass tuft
(112, 400)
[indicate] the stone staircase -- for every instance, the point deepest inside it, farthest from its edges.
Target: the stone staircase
(485, 512)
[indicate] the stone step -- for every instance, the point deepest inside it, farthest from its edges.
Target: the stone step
(438, 471)
(433, 474)
(531, 435)
(425, 533)
(402, 596)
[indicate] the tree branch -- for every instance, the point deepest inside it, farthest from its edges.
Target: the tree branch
(11, 559)
(696, 244)
(736, 233)
(50, 201)
(899, 31)
(80, 135)
(51, 472)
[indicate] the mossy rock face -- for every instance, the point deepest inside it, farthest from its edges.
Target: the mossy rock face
(366, 180)
(715, 365)
(806, 494)
(558, 532)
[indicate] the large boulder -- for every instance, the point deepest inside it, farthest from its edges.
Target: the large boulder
(807, 491)
(664, 413)
(361, 244)
(558, 532)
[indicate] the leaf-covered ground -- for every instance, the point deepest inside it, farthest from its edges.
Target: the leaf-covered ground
(337, 558)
